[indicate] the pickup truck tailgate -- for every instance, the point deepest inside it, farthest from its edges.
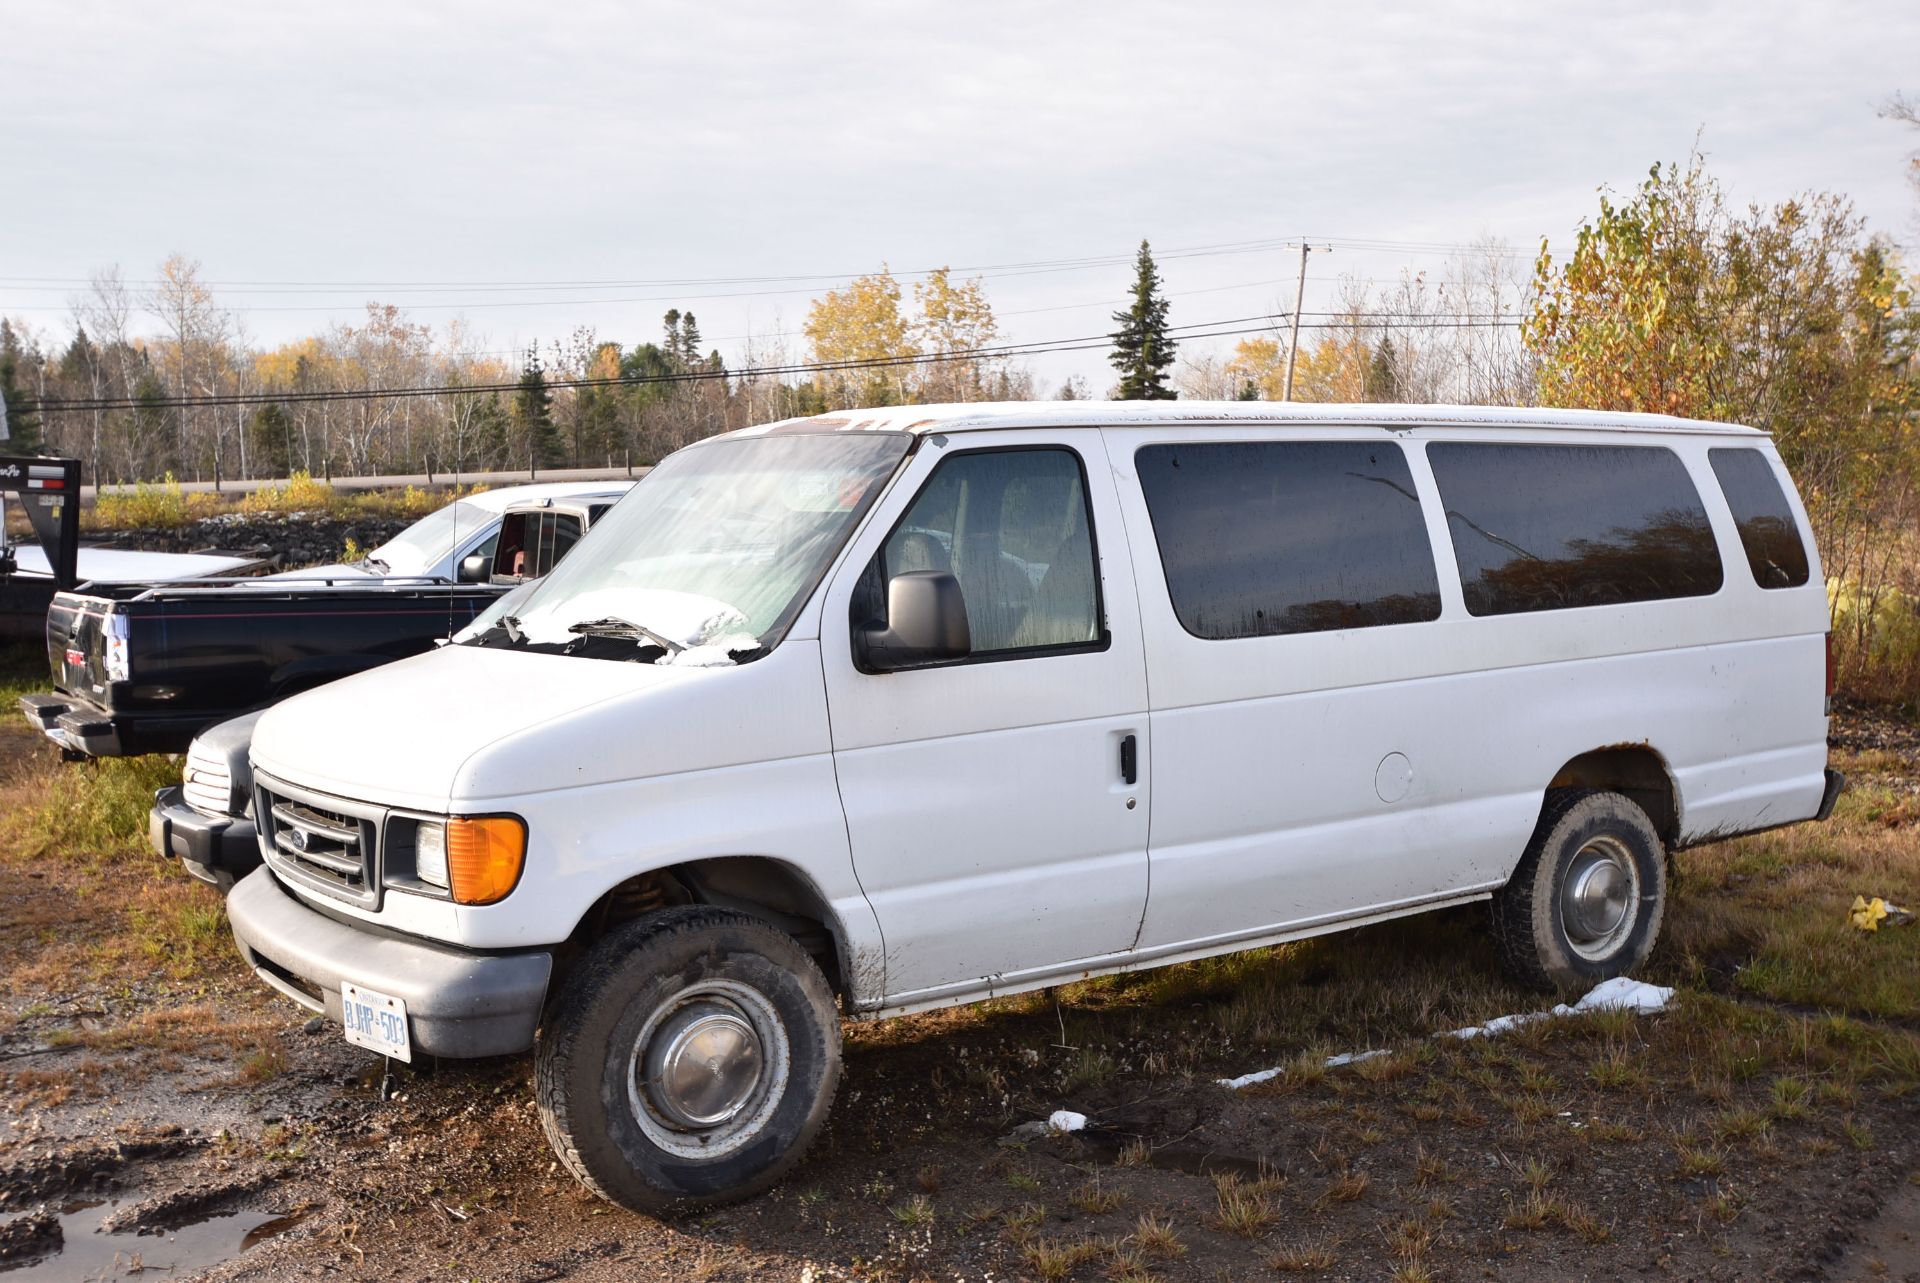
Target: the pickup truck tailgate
(76, 644)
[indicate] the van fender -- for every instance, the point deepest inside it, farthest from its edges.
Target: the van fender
(1634, 769)
(775, 890)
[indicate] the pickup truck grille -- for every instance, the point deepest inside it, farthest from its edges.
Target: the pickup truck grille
(206, 784)
(326, 844)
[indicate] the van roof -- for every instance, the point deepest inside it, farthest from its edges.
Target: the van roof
(976, 416)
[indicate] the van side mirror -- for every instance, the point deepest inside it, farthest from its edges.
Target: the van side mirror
(475, 568)
(926, 622)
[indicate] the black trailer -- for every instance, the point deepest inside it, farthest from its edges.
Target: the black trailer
(49, 490)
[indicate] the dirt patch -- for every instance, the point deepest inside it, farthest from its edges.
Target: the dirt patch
(63, 1170)
(1888, 1246)
(28, 1237)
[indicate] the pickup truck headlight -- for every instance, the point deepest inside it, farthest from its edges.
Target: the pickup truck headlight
(430, 853)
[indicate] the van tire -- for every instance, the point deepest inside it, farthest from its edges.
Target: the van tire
(1538, 930)
(641, 977)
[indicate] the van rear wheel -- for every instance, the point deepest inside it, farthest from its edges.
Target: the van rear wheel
(1588, 897)
(690, 1060)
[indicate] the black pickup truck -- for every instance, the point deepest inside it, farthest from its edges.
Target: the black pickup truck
(143, 668)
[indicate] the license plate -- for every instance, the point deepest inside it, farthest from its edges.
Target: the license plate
(376, 1021)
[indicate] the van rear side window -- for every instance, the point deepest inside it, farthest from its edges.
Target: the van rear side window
(1551, 527)
(1266, 537)
(1768, 534)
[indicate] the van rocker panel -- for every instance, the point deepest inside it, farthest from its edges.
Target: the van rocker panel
(459, 1004)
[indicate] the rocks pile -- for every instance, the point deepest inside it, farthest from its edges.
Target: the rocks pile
(298, 539)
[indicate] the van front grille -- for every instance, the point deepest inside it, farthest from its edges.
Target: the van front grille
(325, 844)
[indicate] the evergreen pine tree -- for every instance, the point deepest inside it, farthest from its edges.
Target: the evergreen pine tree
(23, 429)
(670, 323)
(1142, 346)
(682, 344)
(1383, 378)
(539, 439)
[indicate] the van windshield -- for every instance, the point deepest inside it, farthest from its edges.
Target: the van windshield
(710, 557)
(424, 544)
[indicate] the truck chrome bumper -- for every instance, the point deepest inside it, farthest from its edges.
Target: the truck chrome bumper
(216, 849)
(83, 729)
(459, 1004)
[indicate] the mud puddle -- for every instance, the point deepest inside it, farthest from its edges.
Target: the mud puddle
(83, 1250)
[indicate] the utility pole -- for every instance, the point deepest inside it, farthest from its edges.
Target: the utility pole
(1299, 300)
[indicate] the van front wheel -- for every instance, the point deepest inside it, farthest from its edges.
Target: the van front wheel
(690, 1060)
(1586, 902)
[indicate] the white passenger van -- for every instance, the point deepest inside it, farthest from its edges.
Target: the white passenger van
(876, 711)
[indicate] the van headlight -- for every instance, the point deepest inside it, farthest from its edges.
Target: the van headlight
(476, 859)
(430, 854)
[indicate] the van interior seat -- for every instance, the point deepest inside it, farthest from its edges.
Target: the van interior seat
(1062, 610)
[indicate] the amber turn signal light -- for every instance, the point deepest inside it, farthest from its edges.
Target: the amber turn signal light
(484, 857)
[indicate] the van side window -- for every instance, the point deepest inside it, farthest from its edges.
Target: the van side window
(1771, 540)
(1014, 528)
(1259, 538)
(1550, 527)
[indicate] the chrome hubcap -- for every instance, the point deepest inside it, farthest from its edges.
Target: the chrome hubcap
(1597, 898)
(708, 1067)
(703, 1064)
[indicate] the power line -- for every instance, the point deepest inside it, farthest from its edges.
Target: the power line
(998, 352)
(789, 283)
(814, 279)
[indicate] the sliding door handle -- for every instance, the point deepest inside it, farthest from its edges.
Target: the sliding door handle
(1129, 759)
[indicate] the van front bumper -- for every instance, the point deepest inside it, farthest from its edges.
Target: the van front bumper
(459, 1003)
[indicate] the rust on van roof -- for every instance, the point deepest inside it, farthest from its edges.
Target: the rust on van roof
(985, 415)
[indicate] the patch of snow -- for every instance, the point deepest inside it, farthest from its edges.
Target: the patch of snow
(1248, 1080)
(713, 654)
(1617, 994)
(1065, 1120)
(1354, 1057)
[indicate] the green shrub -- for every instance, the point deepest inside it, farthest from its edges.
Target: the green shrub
(1876, 641)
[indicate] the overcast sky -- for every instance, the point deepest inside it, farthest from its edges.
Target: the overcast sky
(373, 148)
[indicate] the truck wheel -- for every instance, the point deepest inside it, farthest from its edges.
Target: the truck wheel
(1586, 901)
(690, 1059)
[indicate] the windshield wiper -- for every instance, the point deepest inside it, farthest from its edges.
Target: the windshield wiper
(613, 626)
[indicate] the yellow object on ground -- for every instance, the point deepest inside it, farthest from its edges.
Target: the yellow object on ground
(1869, 914)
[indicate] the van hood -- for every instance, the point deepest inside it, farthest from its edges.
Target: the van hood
(469, 726)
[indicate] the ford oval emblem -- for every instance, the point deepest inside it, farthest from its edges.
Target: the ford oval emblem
(297, 839)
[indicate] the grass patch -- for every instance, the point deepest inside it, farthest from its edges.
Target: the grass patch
(1767, 915)
(1053, 1259)
(89, 811)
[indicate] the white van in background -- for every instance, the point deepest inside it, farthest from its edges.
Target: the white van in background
(918, 706)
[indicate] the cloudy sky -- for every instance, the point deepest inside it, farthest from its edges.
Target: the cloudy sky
(535, 167)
